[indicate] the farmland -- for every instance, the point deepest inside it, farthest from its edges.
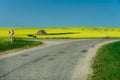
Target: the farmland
(70, 32)
(63, 52)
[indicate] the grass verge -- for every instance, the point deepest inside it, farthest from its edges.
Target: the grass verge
(106, 65)
(5, 44)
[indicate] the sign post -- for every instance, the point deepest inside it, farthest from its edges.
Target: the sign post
(11, 32)
(106, 34)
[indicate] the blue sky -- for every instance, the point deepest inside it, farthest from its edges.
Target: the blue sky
(59, 13)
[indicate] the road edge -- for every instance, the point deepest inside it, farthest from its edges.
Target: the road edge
(91, 54)
(83, 69)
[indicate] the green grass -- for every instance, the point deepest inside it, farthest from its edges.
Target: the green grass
(6, 45)
(106, 64)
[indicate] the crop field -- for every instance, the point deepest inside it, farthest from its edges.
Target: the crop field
(76, 32)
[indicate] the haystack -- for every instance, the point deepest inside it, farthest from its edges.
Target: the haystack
(41, 32)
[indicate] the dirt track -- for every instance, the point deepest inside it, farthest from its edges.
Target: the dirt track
(59, 60)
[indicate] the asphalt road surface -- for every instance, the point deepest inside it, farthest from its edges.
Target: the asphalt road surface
(55, 61)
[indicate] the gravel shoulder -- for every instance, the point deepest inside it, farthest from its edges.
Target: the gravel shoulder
(84, 65)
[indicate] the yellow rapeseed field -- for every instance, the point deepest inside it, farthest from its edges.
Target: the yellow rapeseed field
(68, 32)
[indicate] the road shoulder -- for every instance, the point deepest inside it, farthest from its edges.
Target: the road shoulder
(83, 67)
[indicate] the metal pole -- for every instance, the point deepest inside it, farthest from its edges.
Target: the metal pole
(11, 39)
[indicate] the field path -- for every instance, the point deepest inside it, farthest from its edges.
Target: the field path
(58, 60)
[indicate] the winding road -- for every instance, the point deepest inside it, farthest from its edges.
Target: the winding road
(57, 60)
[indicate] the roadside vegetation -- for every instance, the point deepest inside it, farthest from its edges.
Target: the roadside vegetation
(106, 65)
(6, 45)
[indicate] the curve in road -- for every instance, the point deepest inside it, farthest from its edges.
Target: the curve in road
(55, 62)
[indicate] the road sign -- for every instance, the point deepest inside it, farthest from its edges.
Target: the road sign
(11, 32)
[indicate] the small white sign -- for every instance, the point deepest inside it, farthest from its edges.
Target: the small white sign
(11, 32)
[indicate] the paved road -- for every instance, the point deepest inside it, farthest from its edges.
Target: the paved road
(53, 62)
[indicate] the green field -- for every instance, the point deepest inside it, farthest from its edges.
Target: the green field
(5, 44)
(106, 64)
(70, 32)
